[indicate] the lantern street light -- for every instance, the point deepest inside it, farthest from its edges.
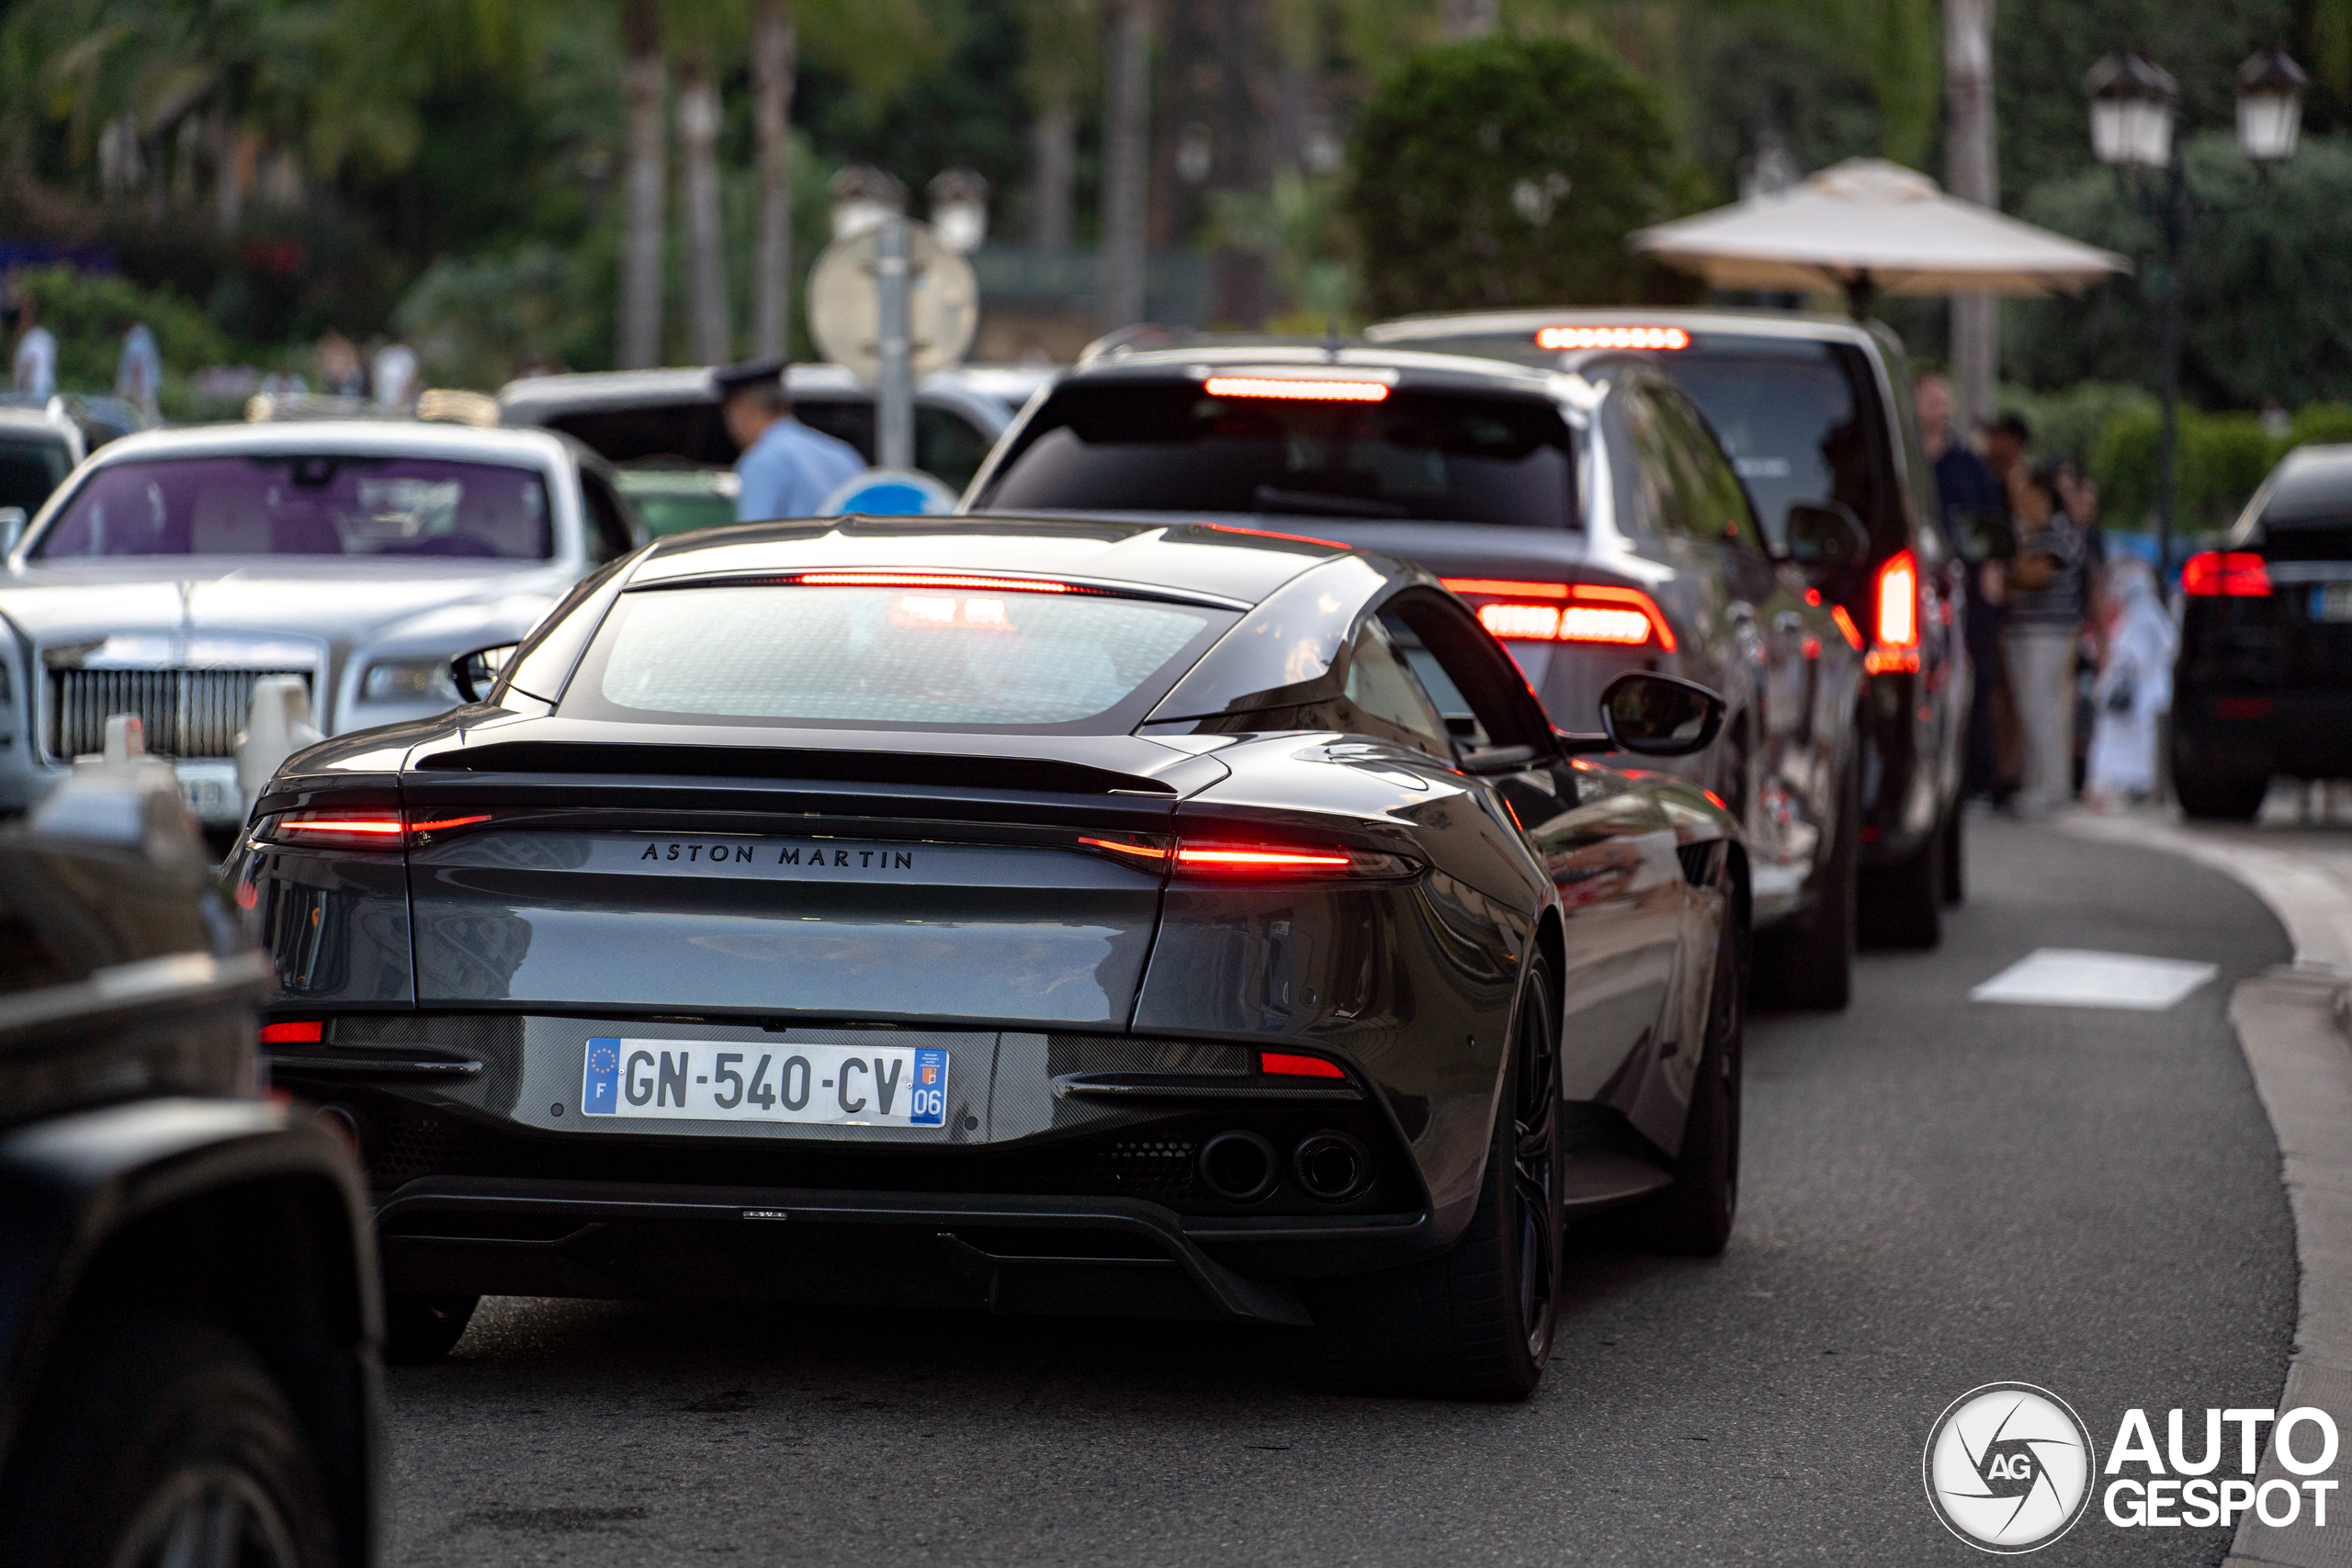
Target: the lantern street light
(959, 210)
(2133, 107)
(863, 197)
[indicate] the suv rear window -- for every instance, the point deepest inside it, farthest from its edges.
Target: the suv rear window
(1106, 446)
(891, 657)
(1801, 420)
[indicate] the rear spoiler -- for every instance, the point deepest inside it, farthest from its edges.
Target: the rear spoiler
(1042, 775)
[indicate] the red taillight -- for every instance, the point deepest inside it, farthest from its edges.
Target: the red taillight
(309, 1031)
(1140, 854)
(1283, 1065)
(1203, 857)
(1576, 612)
(364, 830)
(1846, 627)
(1894, 602)
(2225, 574)
(1299, 390)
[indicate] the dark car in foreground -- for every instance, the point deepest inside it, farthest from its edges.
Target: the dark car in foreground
(1589, 519)
(187, 1290)
(1058, 916)
(1815, 411)
(2262, 686)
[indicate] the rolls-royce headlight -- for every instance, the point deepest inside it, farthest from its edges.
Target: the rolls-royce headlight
(408, 680)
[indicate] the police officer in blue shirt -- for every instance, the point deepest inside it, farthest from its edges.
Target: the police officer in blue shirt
(787, 469)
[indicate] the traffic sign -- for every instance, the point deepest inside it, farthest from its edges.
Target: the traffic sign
(890, 492)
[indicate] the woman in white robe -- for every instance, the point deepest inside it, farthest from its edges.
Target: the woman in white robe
(2134, 686)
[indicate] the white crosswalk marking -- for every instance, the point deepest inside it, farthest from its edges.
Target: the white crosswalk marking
(2066, 976)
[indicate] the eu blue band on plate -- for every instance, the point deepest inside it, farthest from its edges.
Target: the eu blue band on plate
(600, 1084)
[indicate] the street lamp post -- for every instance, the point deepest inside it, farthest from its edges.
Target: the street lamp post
(2133, 109)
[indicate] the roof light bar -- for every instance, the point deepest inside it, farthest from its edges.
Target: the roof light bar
(1296, 389)
(1668, 338)
(1594, 612)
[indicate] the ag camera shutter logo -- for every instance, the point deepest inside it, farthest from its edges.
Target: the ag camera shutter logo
(2009, 1467)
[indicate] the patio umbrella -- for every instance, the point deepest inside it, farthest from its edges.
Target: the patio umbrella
(1870, 227)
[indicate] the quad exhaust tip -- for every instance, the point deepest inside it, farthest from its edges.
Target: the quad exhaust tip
(1238, 1167)
(1331, 1166)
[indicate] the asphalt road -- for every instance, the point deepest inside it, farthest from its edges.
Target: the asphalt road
(1939, 1194)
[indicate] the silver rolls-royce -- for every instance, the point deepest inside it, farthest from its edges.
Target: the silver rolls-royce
(173, 571)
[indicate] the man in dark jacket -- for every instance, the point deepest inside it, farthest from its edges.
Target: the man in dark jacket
(1969, 491)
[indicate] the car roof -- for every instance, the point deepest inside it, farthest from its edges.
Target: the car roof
(579, 391)
(1410, 366)
(1239, 566)
(390, 438)
(1804, 325)
(34, 422)
(2312, 481)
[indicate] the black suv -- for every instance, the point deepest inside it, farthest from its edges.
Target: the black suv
(2263, 681)
(187, 1297)
(1815, 411)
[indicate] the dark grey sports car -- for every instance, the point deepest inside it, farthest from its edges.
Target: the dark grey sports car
(1050, 916)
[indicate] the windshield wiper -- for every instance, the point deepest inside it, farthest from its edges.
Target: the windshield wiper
(1270, 498)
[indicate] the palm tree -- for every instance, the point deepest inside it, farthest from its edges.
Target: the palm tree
(1126, 131)
(707, 312)
(1060, 35)
(644, 83)
(775, 44)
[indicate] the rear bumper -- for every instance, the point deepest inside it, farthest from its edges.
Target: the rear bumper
(2255, 732)
(1060, 1256)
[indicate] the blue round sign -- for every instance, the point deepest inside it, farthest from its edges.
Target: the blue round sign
(890, 492)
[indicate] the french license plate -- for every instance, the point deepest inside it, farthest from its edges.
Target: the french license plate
(687, 1080)
(2332, 602)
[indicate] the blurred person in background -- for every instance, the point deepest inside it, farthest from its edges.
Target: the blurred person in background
(787, 469)
(394, 375)
(1968, 490)
(35, 365)
(139, 370)
(2133, 688)
(2045, 623)
(2078, 499)
(340, 372)
(2003, 440)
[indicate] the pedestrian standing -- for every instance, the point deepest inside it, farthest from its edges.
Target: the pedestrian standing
(394, 375)
(787, 469)
(2134, 687)
(340, 373)
(139, 370)
(1972, 499)
(35, 367)
(2045, 611)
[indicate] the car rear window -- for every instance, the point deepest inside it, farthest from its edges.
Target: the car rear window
(305, 504)
(1800, 420)
(889, 657)
(1102, 446)
(29, 470)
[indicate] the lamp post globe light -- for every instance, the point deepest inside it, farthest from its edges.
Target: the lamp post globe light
(959, 210)
(2133, 107)
(863, 197)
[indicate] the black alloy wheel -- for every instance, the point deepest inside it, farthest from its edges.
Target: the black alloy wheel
(161, 1442)
(1476, 1322)
(2212, 797)
(1955, 854)
(1903, 903)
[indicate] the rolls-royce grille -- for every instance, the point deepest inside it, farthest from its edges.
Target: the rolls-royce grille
(185, 712)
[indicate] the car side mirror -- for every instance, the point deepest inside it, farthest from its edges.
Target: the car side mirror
(1825, 533)
(474, 673)
(1660, 715)
(12, 527)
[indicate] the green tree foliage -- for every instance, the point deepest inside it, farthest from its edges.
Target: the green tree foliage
(89, 316)
(1509, 170)
(2266, 280)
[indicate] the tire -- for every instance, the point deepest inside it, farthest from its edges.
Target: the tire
(2222, 798)
(1477, 1322)
(1693, 1217)
(1955, 855)
(418, 1329)
(161, 1439)
(1812, 967)
(1903, 903)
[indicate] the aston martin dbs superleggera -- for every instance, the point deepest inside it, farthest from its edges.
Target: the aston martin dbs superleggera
(1028, 915)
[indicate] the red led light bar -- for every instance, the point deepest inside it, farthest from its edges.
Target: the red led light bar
(932, 580)
(1140, 851)
(387, 826)
(1846, 627)
(1594, 612)
(384, 830)
(1282, 1063)
(308, 1033)
(1296, 389)
(1235, 857)
(2225, 574)
(1668, 338)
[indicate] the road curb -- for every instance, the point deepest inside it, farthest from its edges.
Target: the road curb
(2291, 1026)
